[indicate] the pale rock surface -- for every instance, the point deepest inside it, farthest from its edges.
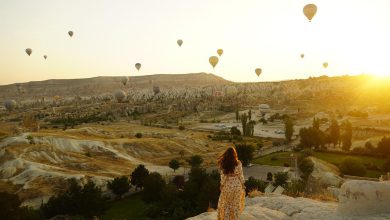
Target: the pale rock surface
(361, 197)
(287, 208)
(325, 174)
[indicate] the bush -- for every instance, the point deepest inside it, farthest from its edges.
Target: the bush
(352, 166)
(179, 181)
(9, 206)
(195, 161)
(270, 177)
(296, 187)
(153, 186)
(138, 135)
(386, 165)
(254, 184)
(235, 131)
(281, 179)
(286, 164)
(306, 166)
(181, 127)
(119, 186)
(174, 165)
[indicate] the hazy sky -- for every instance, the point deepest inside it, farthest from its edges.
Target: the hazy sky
(112, 35)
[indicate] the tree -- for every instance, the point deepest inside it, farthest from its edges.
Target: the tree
(316, 123)
(174, 164)
(288, 129)
(352, 166)
(310, 137)
(306, 166)
(181, 154)
(138, 135)
(244, 120)
(138, 176)
(179, 181)
(9, 204)
(281, 179)
(119, 186)
(347, 136)
(384, 146)
(386, 165)
(334, 132)
(245, 153)
(237, 115)
(250, 114)
(153, 186)
(195, 161)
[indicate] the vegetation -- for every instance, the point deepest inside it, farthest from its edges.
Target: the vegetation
(306, 166)
(119, 186)
(138, 176)
(245, 153)
(85, 201)
(174, 165)
(132, 207)
(352, 166)
(153, 186)
(288, 129)
(195, 161)
(138, 135)
(347, 136)
(11, 210)
(254, 184)
(280, 179)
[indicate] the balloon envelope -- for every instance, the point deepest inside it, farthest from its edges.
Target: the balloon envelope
(220, 52)
(45, 56)
(70, 33)
(325, 65)
(138, 66)
(180, 42)
(258, 71)
(213, 61)
(302, 55)
(309, 11)
(29, 51)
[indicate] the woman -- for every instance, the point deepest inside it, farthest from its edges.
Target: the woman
(232, 199)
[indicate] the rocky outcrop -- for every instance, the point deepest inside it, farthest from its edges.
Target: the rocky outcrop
(360, 197)
(287, 208)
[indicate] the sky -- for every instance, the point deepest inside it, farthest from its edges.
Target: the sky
(353, 36)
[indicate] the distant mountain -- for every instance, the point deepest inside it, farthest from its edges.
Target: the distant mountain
(104, 84)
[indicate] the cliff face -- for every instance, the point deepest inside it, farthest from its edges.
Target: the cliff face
(358, 207)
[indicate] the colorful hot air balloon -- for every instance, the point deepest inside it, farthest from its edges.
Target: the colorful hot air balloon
(220, 52)
(45, 56)
(325, 64)
(309, 11)
(213, 61)
(258, 71)
(28, 51)
(179, 42)
(70, 33)
(302, 56)
(138, 66)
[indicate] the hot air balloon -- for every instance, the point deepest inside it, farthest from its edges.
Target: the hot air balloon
(70, 33)
(325, 64)
(213, 61)
(28, 51)
(309, 11)
(124, 80)
(220, 52)
(120, 95)
(45, 56)
(156, 90)
(302, 56)
(258, 71)
(138, 66)
(10, 105)
(179, 42)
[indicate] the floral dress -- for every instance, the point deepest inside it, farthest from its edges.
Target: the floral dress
(232, 199)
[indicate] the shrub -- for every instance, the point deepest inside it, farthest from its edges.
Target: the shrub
(9, 206)
(270, 177)
(254, 184)
(352, 166)
(179, 181)
(281, 179)
(174, 165)
(195, 161)
(386, 165)
(138, 135)
(138, 176)
(296, 187)
(286, 164)
(245, 153)
(306, 166)
(235, 131)
(153, 186)
(181, 127)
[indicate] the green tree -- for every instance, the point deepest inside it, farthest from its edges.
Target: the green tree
(306, 166)
(334, 132)
(138, 176)
(316, 123)
(352, 166)
(347, 136)
(119, 186)
(384, 146)
(174, 164)
(245, 153)
(250, 114)
(153, 186)
(254, 184)
(244, 120)
(235, 131)
(310, 137)
(288, 129)
(237, 115)
(195, 161)
(386, 165)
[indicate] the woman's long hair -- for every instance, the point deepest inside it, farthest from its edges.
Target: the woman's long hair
(228, 160)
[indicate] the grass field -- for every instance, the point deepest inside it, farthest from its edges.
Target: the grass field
(275, 159)
(130, 208)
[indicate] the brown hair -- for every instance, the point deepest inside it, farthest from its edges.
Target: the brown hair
(228, 160)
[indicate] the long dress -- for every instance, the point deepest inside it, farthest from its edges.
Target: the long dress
(232, 199)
